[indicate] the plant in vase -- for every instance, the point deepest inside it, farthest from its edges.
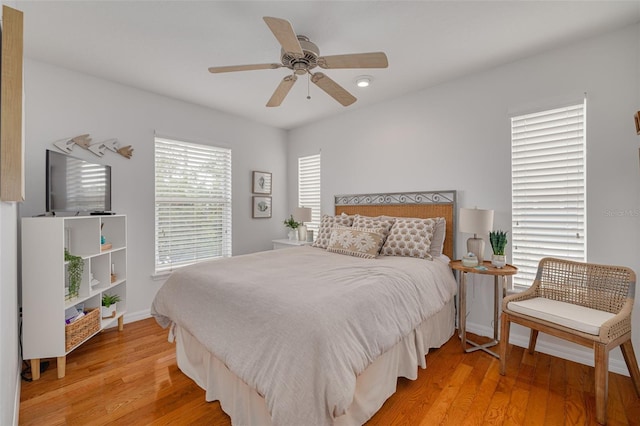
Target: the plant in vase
(498, 240)
(292, 225)
(109, 302)
(75, 267)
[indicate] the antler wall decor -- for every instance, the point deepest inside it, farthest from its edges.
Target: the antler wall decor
(84, 141)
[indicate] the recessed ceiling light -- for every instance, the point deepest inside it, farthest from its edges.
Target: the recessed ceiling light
(363, 80)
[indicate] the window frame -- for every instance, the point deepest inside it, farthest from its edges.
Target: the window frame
(554, 135)
(202, 189)
(310, 187)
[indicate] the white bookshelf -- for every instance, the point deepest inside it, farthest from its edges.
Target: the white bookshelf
(44, 278)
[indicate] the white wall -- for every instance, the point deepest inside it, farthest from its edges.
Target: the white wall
(457, 136)
(62, 104)
(9, 352)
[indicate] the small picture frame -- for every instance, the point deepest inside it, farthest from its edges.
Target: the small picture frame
(637, 119)
(261, 183)
(261, 207)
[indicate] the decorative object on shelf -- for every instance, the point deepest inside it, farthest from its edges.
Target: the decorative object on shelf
(84, 141)
(114, 277)
(93, 281)
(78, 331)
(75, 267)
(293, 225)
(109, 305)
(469, 260)
(261, 207)
(302, 215)
(475, 221)
(261, 183)
(498, 240)
(637, 120)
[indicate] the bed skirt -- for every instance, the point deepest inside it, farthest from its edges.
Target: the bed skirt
(377, 383)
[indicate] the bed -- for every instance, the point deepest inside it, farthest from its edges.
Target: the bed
(318, 335)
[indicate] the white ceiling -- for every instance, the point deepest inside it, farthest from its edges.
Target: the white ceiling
(166, 46)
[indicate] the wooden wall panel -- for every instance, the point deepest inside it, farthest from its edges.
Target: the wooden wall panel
(11, 147)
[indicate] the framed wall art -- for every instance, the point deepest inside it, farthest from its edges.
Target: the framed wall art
(261, 207)
(261, 183)
(637, 119)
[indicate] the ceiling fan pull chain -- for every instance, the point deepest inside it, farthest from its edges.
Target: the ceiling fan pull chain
(308, 86)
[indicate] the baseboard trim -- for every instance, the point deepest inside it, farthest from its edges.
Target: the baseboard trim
(568, 351)
(137, 316)
(134, 316)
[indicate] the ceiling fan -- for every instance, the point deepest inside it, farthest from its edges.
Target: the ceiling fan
(301, 56)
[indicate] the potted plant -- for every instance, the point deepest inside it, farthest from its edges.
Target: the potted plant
(498, 240)
(75, 267)
(109, 302)
(292, 225)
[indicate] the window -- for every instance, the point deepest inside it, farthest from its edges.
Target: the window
(193, 203)
(309, 188)
(548, 186)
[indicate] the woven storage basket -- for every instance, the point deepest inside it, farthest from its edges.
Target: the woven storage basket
(78, 331)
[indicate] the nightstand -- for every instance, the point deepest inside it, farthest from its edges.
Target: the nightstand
(284, 243)
(500, 288)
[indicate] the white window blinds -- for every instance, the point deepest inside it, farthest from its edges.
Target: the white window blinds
(548, 188)
(192, 203)
(309, 187)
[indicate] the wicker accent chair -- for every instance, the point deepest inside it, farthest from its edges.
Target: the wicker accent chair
(584, 303)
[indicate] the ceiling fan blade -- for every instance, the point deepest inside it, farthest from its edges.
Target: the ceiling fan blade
(355, 60)
(333, 89)
(283, 30)
(281, 91)
(231, 68)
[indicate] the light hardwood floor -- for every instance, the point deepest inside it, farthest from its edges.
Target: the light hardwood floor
(131, 378)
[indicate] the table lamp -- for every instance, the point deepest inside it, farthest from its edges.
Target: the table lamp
(302, 215)
(475, 221)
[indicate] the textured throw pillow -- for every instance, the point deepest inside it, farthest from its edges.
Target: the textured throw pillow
(384, 222)
(359, 242)
(326, 225)
(439, 233)
(409, 237)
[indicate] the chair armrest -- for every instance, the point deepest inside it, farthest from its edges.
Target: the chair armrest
(619, 325)
(529, 293)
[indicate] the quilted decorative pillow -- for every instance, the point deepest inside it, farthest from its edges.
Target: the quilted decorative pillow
(409, 237)
(326, 225)
(384, 222)
(359, 242)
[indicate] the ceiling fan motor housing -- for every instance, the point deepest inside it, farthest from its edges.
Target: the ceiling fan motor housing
(307, 62)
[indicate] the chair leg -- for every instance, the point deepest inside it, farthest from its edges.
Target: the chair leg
(505, 325)
(533, 338)
(632, 364)
(602, 381)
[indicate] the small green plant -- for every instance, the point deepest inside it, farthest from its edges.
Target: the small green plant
(498, 240)
(109, 299)
(75, 267)
(291, 223)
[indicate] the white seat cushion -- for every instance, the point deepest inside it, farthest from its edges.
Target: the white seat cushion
(565, 314)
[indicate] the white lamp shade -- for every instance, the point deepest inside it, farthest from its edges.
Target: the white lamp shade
(475, 221)
(302, 214)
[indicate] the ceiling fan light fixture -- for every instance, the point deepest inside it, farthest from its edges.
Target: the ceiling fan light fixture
(363, 80)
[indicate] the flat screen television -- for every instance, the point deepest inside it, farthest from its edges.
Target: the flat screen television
(75, 185)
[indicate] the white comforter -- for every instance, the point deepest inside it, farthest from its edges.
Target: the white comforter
(299, 324)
